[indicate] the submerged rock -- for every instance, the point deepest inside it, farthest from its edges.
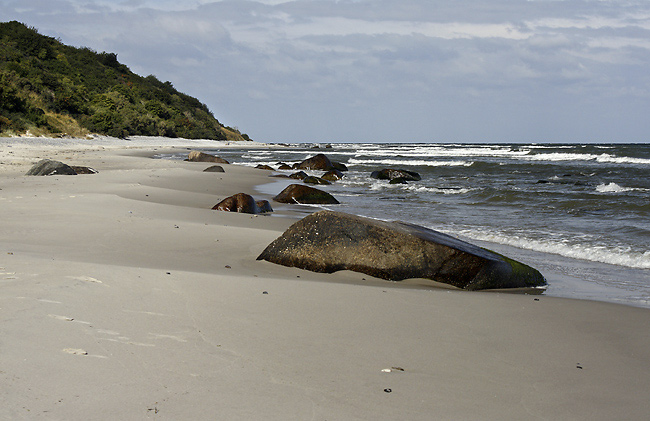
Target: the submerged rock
(398, 180)
(332, 175)
(196, 156)
(389, 174)
(301, 194)
(300, 175)
(339, 166)
(329, 241)
(315, 180)
(243, 203)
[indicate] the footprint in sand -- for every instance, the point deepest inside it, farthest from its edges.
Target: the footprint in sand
(86, 279)
(75, 351)
(63, 318)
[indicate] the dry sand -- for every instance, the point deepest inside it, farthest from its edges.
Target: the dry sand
(123, 296)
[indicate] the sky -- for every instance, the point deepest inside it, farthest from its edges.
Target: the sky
(383, 70)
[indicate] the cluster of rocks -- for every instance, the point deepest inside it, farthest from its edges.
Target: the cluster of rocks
(330, 241)
(303, 194)
(333, 171)
(293, 194)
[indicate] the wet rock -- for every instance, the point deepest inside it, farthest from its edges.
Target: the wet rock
(283, 166)
(398, 180)
(301, 194)
(318, 162)
(315, 180)
(196, 156)
(300, 175)
(264, 167)
(332, 175)
(389, 174)
(50, 167)
(264, 206)
(243, 203)
(339, 166)
(214, 168)
(329, 241)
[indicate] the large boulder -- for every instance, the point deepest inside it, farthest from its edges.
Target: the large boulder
(50, 167)
(302, 194)
(318, 162)
(243, 203)
(329, 241)
(389, 174)
(196, 156)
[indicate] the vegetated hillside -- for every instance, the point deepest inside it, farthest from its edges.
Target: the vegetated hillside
(48, 88)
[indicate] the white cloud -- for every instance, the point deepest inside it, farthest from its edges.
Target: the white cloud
(435, 64)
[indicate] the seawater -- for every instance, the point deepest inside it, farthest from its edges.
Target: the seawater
(578, 213)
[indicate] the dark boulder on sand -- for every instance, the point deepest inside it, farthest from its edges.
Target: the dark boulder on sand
(301, 194)
(243, 203)
(50, 167)
(264, 167)
(329, 241)
(389, 174)
(214, 168)
(196, 156)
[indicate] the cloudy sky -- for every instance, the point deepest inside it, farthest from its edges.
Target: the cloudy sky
(383, 70)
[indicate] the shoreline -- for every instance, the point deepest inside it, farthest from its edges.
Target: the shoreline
(124, 296)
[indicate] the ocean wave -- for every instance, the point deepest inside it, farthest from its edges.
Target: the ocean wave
(615, 188)
(607, 158)
(443, 190)
(443, 151)
(613, 256)
(409, 162)
(602, 158)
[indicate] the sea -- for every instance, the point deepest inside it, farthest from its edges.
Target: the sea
(579, 213)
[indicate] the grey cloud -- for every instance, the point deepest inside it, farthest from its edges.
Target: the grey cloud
(432, 64)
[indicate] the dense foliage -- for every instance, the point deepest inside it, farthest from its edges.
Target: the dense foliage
(51, 88)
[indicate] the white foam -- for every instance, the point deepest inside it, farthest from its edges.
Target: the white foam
(614, 256)
(424, 189)
(615, 188)
(411, 162)
(603, 158)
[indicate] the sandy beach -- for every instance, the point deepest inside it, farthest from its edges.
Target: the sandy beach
(124, 296)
